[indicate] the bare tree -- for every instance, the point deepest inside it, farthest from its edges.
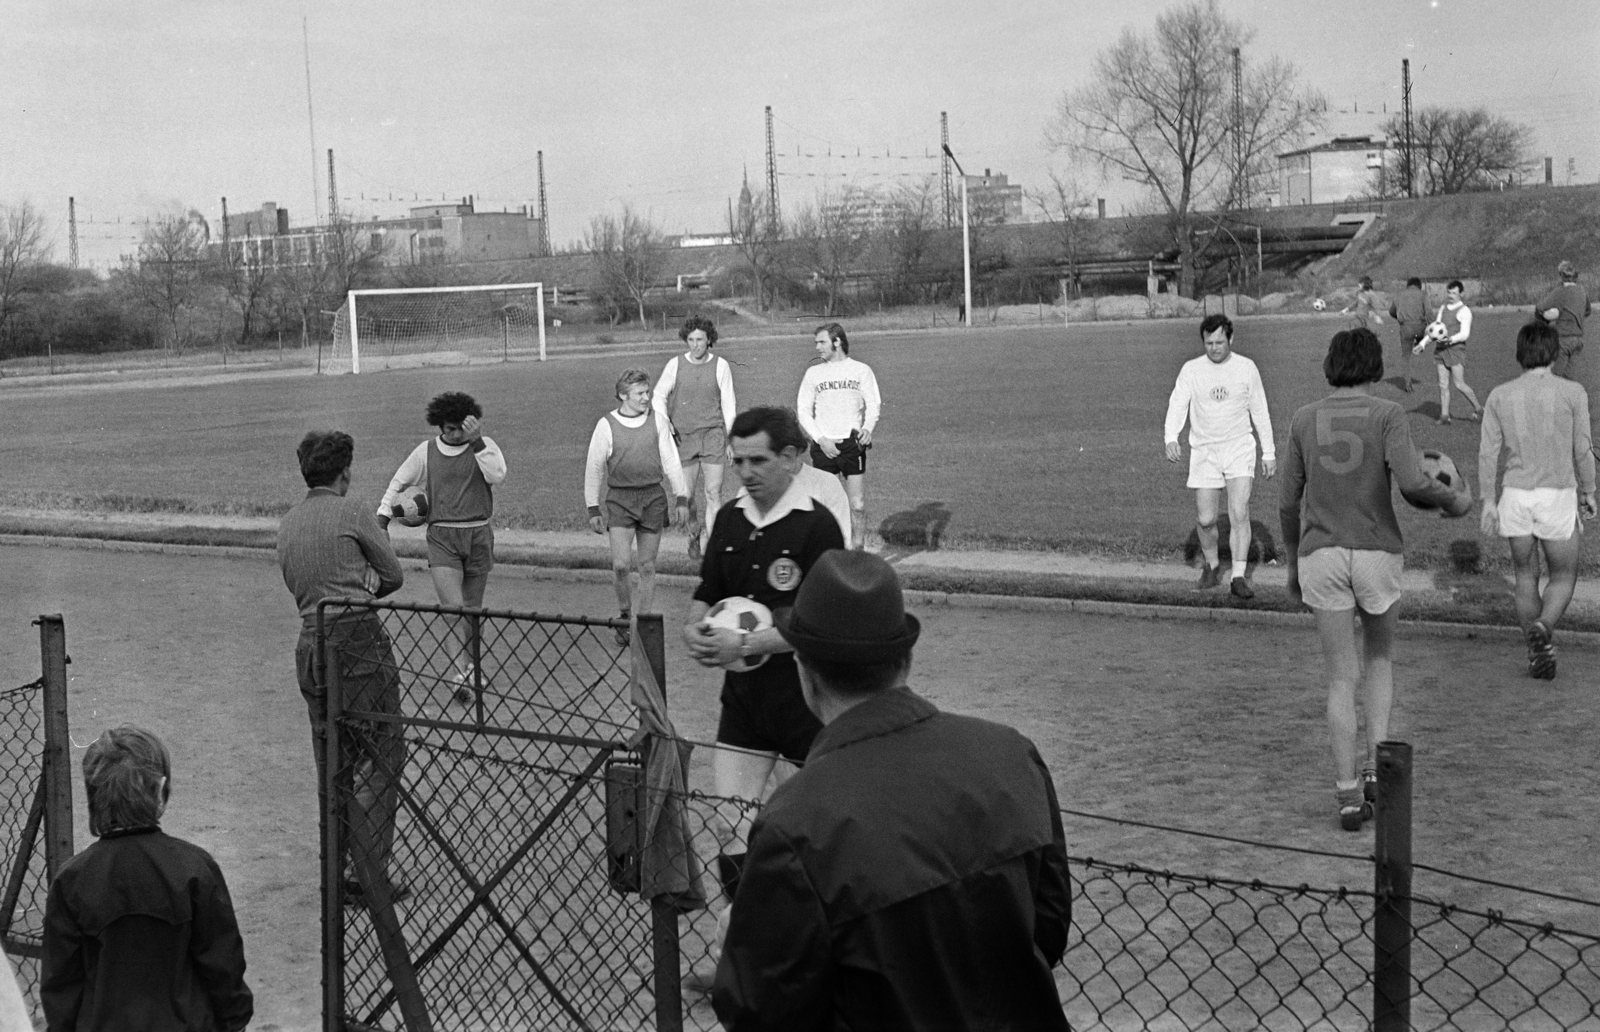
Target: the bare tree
(831, 236)
(1456, 150)
(1159, 111)
(22, 250)
(628, 257)
(918, 212)
(759, 239)
(1066, 206)
(246, 281)
(166, 274)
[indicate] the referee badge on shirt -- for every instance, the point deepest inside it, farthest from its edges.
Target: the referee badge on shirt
(784, 574)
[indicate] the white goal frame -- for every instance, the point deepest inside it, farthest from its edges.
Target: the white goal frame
(355, 323)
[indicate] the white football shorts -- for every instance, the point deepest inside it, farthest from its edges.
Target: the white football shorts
(1340, 579)
(1547, 513)
(1213, 465)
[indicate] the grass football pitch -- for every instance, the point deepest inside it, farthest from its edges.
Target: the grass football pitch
(1033, 437)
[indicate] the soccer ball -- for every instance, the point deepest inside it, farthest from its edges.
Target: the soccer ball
(738, 613)
(411, 510)
(1441, 467)
(1437, 331)
(1319, 304)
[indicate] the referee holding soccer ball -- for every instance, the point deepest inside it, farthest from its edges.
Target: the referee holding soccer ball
(762, 545)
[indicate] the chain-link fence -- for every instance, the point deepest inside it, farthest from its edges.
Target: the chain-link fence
(483, 776)
(35, 806)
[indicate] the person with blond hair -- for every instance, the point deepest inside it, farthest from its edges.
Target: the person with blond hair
(139, 929)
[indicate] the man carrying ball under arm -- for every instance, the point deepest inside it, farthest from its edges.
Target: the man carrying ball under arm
(1220, 394)
(762, 546)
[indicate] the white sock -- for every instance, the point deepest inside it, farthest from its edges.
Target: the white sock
(1239, 568)
(1347, 786)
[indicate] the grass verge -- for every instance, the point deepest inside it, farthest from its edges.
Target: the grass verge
(1459, 599)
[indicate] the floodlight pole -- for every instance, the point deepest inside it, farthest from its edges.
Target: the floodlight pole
(966, 236)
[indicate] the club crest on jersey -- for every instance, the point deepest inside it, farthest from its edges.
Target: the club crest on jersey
(1219, 393)
(784, 574)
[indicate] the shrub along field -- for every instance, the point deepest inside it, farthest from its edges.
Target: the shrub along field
(1044, 437)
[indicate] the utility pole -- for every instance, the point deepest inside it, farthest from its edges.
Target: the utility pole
(544, 212)
(944, 169)
(333, 193)
(72, 228)
(227, 240)
(1407, 162)
(774, 219)
(1238, 132)
(311, 121)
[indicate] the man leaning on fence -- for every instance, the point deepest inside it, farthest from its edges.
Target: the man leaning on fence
(330, 546)
(914, 874)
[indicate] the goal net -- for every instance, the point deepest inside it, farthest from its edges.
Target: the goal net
(413, 326)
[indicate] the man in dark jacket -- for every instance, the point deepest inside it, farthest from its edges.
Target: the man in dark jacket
(139, 931)
(1410, 311)
(913, 875)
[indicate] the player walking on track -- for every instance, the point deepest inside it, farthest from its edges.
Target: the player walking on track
(763, 544)
(1450, 354)
(630, 452)
(914, 874)
(695, 393)
(1541, 422)
(458, 469)
(838, 407)
(1410, 312)
(1221, 397)
(1344, 546)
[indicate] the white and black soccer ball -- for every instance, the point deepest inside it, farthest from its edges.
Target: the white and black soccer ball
(1437, 331)
(411, 510)
(738, 613)
(1319, 305)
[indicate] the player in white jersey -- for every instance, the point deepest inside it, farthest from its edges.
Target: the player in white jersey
(1221, 396)
(838, 409)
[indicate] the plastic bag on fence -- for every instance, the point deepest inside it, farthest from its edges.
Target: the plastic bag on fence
(668, 866)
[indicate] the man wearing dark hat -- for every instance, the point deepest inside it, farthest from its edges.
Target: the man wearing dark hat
(913, 874)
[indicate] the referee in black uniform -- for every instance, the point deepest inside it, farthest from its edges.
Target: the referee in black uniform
(762, 544)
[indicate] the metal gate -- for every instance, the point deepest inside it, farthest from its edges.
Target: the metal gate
(474, 876)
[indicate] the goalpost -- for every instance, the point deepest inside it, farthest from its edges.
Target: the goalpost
(402, 327)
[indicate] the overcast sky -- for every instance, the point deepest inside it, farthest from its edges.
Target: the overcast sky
(148, 106)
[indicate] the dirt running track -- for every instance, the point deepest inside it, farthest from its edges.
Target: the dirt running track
(1213, 727)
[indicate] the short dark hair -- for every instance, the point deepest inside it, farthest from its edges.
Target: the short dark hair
(1366, 283)
(1354, 357)
(857, 678)
(1414, 282)
(1457, 284)
(122, 772)
(699, 322)
(779, 423)
(836, 334)
(1214, 322)
(1538, 344)
(452, 407)
(324, 454)
(630, 377)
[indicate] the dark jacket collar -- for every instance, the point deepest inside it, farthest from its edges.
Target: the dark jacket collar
(886, 712)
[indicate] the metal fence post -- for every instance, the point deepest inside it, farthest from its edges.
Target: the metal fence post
(332, 868)
(57, 752)
(663, 914)
(1391, 932)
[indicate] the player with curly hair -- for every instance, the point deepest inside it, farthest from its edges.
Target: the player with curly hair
(695, 393)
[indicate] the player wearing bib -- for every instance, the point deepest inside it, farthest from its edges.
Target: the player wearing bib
(1344, 545)
(1541, 423)
(1221, 397)
(695, 393)
(838, 408)
(630, 452)
(458, 469)
(1450, 354)
(763, 543)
